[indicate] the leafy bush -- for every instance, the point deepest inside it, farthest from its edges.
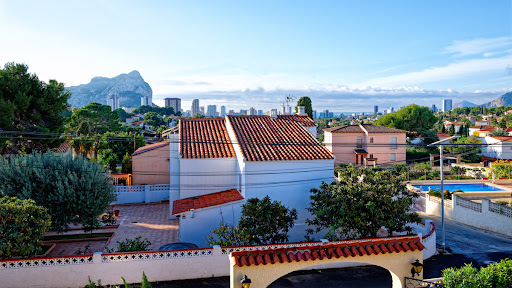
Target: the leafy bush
(73, 189)
(447, 193)
(494, 275)
(131, 245)
(22, 226)
(355, 208)
(262, 222)
(227, 235)
(266, 222)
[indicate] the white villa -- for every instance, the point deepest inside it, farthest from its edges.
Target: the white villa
(216, 164)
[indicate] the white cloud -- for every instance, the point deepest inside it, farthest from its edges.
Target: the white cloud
(450, 71)
(477, 46)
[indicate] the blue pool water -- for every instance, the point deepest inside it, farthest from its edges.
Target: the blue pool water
(463, 187)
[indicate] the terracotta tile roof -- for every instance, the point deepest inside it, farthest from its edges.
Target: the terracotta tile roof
(150, 147)
(63, 148)
(262, 138)
(305, 120)
(205, 138)
(502, 138)
(204, 201)
(349, 248)
(369, 127)
(443, 135)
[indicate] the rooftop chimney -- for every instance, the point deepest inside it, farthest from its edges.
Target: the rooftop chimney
(302, 111)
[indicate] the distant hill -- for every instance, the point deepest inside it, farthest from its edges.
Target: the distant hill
(464, 103)
(504, 100)
(130, 87)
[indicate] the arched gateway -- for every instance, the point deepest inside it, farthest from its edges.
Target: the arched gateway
(265, 266)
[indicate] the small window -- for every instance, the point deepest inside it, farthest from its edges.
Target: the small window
(371, 139)
(359, 142)
(392, 157)
(392, 143)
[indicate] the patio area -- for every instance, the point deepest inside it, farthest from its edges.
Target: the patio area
(147, 220)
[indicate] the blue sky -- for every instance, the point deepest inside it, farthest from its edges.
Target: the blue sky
(345, 55)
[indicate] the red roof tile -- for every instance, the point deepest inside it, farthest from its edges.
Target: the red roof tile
(262, 138)
(442, 135)
(304, 120)
(502, 138)
(204, 201)
(354, 248)
(63, 148)
(205, 138)
(150, 147)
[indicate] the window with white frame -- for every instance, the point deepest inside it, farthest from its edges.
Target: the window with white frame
(392, 143)
(392, 157)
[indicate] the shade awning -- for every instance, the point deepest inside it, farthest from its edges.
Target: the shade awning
(360, 151)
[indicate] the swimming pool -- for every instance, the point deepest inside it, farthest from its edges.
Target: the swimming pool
(463, 187)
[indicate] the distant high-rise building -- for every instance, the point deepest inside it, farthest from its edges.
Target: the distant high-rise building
(113, 101)
(231, 112)
(260, 112)
(447, 105)
(211, 111)
(433, 108)
(222, 111)
(391, 110)
(375, 109)
(314, 114)
(252, 111)
(195, 107)
(273, 113)
(201, 110)
(146, 100)
(175, 103)
(243, 112)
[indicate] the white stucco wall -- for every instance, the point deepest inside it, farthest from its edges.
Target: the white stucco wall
(288, 182)
(496, 149)
(197, 228)
(205, 176)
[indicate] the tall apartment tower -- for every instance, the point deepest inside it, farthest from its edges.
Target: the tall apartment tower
(433, 108)
(113, 100)
(447, 105)
(375, 109)
(222, 111)
(175, 103)
(146, 100)
(195, 107)
(211, 111)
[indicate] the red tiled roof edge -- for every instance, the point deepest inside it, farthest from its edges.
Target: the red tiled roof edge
(205, 138)
(303, 119)
(205, 201)
(336, 250)
(150, 147)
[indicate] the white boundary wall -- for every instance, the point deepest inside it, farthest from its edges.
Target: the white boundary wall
(142, 193)
(60, 272)
(486, 215)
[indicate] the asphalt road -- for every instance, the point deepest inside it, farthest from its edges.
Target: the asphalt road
(466, 245)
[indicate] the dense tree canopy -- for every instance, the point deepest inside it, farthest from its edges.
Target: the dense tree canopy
(73, 189)
(114, 146)
(306, 102)
(88, 123)
(153, 119)
(29, 104)
(361, 203)
(162, 111)
(410, 118)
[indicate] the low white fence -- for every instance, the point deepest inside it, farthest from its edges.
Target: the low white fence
(108, 268)
(485, 215)
(142, 193)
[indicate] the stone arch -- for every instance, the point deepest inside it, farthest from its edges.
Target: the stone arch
(263, 267)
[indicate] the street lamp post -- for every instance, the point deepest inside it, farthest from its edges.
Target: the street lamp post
(440, 143)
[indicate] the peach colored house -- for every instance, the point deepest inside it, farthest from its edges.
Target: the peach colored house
(366, 144)
(150, 164)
